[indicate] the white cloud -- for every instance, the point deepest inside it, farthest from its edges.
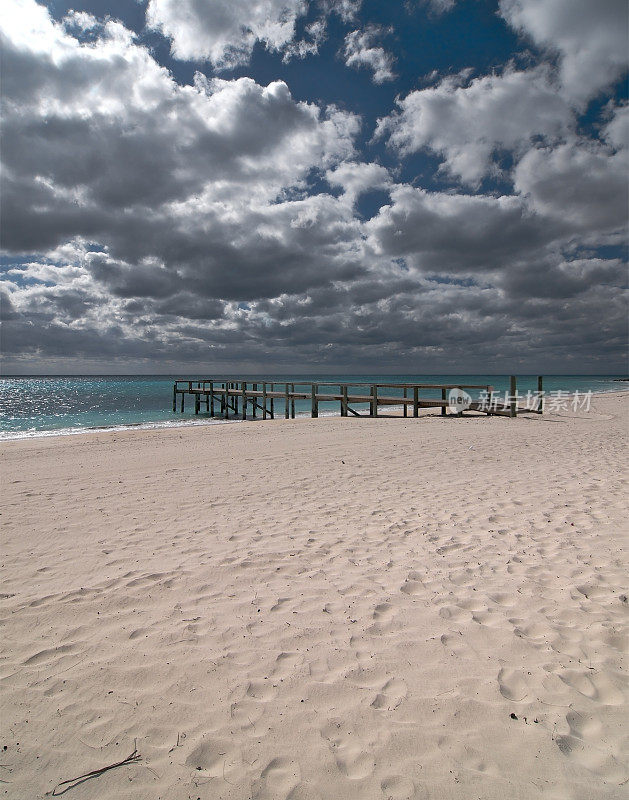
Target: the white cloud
(347, 10)
(590, 39)
(306, 47)
(224, 31)
(158, 191)
(616, 131)
(469, 123)
(439, 6)
(360, 50)
(356, 178)
(584, 185)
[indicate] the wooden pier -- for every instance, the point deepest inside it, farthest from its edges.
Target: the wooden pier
(246, 399)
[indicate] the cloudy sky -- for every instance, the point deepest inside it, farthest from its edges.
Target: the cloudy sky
(314, 185)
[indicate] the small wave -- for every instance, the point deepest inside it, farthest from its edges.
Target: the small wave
(32, 433)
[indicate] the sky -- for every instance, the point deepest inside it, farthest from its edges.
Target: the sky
(410, 186)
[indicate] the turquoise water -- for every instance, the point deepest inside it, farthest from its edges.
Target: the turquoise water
(36, 405)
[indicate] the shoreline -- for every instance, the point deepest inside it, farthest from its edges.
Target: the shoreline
(11, 436)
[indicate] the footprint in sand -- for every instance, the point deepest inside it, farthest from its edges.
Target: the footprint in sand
(214, 757)
(322, 672)
(352, 758)
(595, 758)
(456, 645)
(277, 781)
(413, 584)
(281, 602)
(453, 613)
(584, 726)
(593, 685)
(383, 616)
(285, 663)
(246, 712)
(262, 690)
(53, 654)
(396, 787)
(489, 617)
(513, 684)
(390, 695)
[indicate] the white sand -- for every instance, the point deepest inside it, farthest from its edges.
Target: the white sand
(319, 609)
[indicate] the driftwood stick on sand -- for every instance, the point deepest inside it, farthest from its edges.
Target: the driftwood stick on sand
(73, 782)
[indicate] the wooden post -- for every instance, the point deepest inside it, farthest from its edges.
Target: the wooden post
(236, 400)
(292, 401)
(540, 395)
(315, 403)
(227, 385)
(344, 401)
(255, 402)
(415, 401)
(405, 411)
(243, 386)
(443, 397)
(287, 403)
(264, 401)
(174, 397)
(211, 398)
(196, 404)
(272, 402)
(513, 403)
(374, 401)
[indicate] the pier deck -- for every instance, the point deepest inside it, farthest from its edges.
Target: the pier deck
(243, 398)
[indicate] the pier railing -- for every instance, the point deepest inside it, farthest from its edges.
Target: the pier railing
(245, 398)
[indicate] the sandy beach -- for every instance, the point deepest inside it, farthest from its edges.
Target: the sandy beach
(319, 609)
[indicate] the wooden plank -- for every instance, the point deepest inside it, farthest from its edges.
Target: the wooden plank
(540, 394)
(513, 403)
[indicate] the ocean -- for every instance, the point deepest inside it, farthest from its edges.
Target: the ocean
(62, 405)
